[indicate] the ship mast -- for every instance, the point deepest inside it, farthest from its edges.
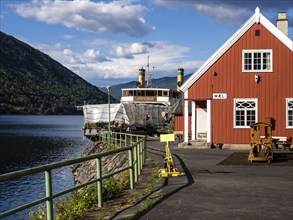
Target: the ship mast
(149, 75)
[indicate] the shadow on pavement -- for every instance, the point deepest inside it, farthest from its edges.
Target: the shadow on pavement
(241, 158)
(188, 176)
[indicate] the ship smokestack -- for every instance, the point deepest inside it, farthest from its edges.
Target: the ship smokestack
(180, 78)
(282, 23)
(141, 78)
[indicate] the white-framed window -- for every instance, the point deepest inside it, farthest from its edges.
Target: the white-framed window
(257, 60)
(289, 112)
(245, 112)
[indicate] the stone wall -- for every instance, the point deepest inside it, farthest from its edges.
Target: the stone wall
(86, 171)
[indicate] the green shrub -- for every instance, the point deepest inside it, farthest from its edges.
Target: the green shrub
(78, 202)
(40, 214)
(170, 126)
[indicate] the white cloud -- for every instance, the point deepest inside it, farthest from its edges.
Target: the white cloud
(227, 11)
(222, 13)
(91, 53)
(129, 51)
(98, 42)
(67, 52)
(58, 45)
(91, 64)
(221, 10)
(68, 37)
(118, 17)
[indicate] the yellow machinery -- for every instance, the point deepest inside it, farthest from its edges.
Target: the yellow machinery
(261, 142)
(170, 169)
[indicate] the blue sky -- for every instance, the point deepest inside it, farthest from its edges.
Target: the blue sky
(106, 42)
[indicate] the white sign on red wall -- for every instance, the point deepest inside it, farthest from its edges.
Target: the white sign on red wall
(219, 95)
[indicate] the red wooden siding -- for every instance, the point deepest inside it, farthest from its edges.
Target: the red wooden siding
(179, 123)
(272, 90)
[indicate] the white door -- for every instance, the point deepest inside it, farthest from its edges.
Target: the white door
(201, 123)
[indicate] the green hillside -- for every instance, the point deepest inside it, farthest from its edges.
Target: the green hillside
(31, 82)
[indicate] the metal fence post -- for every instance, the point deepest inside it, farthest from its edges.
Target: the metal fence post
(112, 138)
(99, 183)
(108, 138)
(145, 148)
(49, 203)
(138, 158)
(131, 173)
(135, 163)
(136, 155)
(144, 152)
(140, 154)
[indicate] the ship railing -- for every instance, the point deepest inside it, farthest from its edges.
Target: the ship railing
(134, 144)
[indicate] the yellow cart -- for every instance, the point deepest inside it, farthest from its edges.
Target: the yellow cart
(261, 142)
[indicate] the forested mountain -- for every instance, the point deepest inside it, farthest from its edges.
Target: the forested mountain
(31, 82)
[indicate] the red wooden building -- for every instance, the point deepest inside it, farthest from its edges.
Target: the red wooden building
(248, 79)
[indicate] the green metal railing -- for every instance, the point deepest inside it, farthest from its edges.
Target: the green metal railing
(134, 144)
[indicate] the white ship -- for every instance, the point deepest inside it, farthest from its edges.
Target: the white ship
(142, 109)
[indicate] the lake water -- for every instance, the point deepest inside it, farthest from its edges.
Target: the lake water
(29, 141)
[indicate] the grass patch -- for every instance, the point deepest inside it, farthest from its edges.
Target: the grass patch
(79, 202)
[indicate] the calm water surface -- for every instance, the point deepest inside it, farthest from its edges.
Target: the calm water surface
(29, 141)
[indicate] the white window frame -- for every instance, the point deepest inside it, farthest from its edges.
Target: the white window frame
(252, 58)
(234, 111)
(287, 112)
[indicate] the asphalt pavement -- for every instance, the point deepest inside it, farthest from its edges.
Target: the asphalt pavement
(212, 191)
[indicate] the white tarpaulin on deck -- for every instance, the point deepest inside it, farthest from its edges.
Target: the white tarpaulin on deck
(129, 113)
(100, 113)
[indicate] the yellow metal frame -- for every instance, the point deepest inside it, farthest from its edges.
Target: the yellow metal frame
(261, 149)
(170, 169)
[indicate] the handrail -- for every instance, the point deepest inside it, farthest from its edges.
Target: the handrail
(43, 168)
(134, 144)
